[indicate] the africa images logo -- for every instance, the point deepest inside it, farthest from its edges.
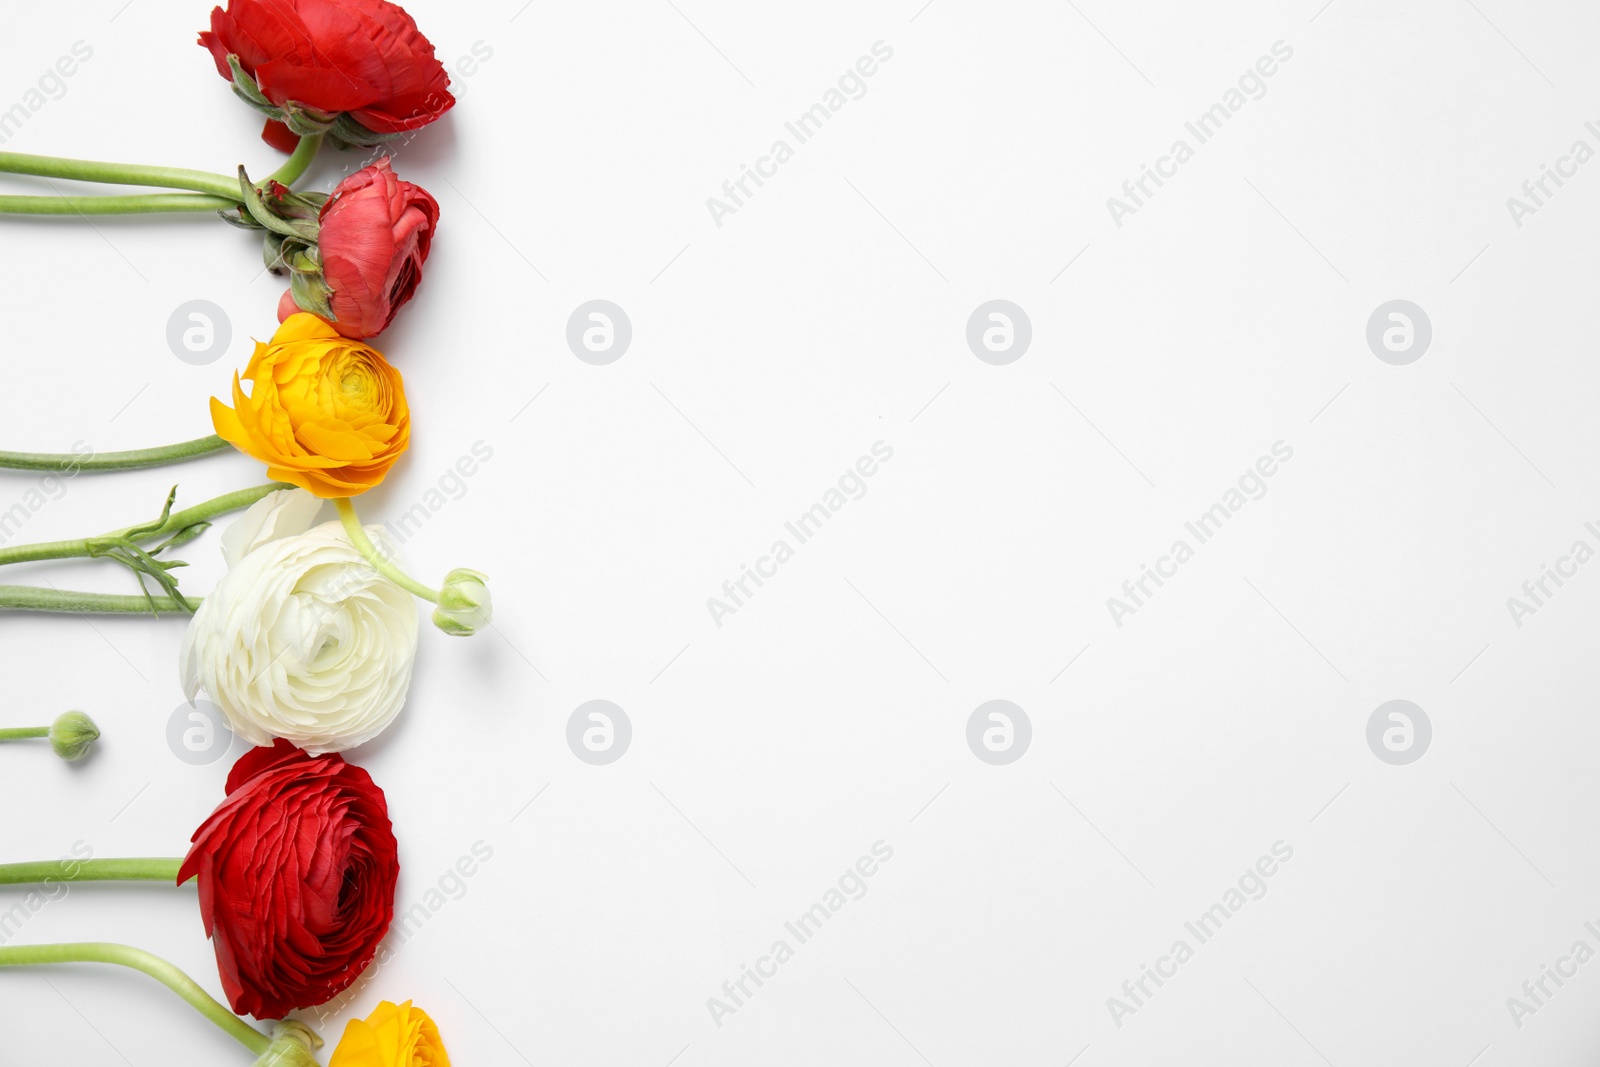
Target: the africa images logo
(1204, 127)
(852, 485)
(1252, 485)
(850, 886)
(1251, 885)
(805, 126)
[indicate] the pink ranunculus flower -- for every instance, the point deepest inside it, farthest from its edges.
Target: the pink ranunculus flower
(373, 238)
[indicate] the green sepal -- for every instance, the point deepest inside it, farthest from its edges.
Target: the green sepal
(347, 132)
(303, 260)
(272, 251)
(304, 120)
(247, 88)
(256, 203)
(312, 294)
(238, 216)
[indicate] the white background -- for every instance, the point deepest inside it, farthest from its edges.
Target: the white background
(830, 712)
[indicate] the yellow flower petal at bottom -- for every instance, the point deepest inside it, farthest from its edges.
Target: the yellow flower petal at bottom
(394, 1035)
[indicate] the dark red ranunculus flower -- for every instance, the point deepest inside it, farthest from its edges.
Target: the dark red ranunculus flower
(373, 237)
(297, 870)
(307, 62)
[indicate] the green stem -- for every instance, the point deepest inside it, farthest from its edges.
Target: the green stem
(160, 869)
(89, 170)
(212, 192)
(28, 598)
(299, 160)
(62, 462)
(155, 967)
(237, 500)
(76, 206)
(79, 548)
(16, 733)
(358, 537)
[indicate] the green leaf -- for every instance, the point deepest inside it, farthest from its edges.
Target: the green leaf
(182, 537)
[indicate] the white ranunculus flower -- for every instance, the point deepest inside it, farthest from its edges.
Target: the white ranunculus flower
(301, 639)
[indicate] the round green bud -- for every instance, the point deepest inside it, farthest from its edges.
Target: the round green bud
(465, 606)
(72, 734)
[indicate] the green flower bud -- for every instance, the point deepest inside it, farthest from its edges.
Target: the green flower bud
(71, 735)
(464, 603)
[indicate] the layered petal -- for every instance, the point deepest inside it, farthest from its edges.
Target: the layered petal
(296, 871)
(394, 1035)
(324, 412)
(303, 640)
(363, 58)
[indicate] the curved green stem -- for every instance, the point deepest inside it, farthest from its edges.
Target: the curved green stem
(80, 548)
(138, 204)
(155, 967)
(299, 160)
(89, 170)
(61, 462)
(161, 869)
(28, 598)
(358, 537)
(17, 733)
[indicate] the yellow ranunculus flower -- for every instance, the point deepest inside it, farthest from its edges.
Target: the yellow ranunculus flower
(394, 1035)
(324, 412)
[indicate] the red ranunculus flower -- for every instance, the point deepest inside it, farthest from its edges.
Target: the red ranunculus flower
(309, 62)
(297, 869)
(373, 237)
